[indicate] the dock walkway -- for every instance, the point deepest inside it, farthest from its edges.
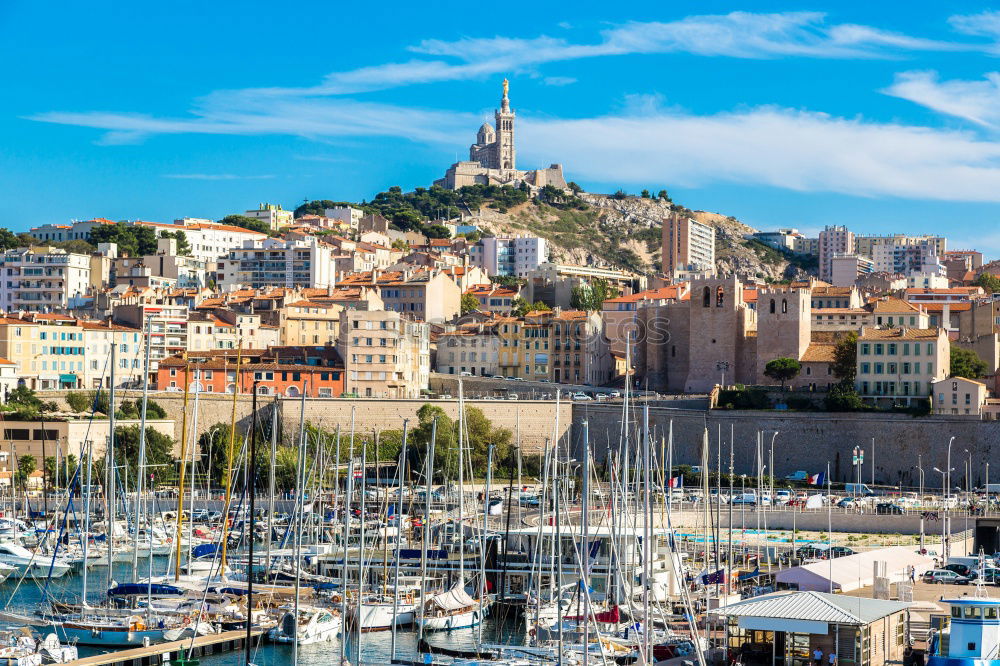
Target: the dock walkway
(158, 653)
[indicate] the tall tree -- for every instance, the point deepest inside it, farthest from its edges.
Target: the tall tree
(845, 358)
(782, 369)
(965, 363)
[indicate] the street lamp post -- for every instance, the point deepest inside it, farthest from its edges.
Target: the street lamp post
(947, 502)
(920, 498)
(722, 366)
(945, 526)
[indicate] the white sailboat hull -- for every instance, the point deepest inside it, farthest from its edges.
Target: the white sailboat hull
(461, 620)
(379, 617)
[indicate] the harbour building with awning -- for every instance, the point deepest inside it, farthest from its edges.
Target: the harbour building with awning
(786, 627)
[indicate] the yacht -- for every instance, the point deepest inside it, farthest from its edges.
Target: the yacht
(37, 564)
(453, 609)
(313, 625)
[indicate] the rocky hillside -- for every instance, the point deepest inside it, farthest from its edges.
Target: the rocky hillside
(601, 230)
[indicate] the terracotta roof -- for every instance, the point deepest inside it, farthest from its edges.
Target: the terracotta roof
(892, 305)
(899, 333)
(823, 311)
(818, 353)
(964, 379)
(649, 295)
(953, 307)
(829, 290)
(949, 290)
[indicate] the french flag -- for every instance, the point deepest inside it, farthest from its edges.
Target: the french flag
(817, 479)
(676, 482)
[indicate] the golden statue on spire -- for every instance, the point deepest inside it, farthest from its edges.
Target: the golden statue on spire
(506, 86)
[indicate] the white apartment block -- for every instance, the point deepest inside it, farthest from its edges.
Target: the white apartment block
(346, 214)
(509, 255)
(385, 354)
(273, 215)
(129, 343)
(833, 241)
(208, 241)
(43, 279)
(907, 255)
(865, 244)
(688, 247)
(847, 268)
(57, 233)
(277, 263)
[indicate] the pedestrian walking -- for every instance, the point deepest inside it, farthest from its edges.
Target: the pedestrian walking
(833, 659)
(817, 657)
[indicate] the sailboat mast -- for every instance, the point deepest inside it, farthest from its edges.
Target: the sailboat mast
(428, 476)
(399, 532)
(585, 551)
(482, 542)
(300, 482)
(270, 483)
(229, 461)
(109, 463)
(461, 484)
(86, 528)
(251, 490)
(142, 447)
(180, 484)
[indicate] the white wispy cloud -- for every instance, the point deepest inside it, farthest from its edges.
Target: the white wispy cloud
(776, 147)
(244, 114)
(215, 176)
(782, 148)
(975, 101)
(735, 35)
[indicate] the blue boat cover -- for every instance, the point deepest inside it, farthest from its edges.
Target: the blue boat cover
(414, 553)
(132, 589)
(204, 549)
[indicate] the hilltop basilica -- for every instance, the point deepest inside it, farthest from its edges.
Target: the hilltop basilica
(492, 158)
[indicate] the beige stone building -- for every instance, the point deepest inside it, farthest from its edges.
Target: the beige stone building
(892, 311)
(311, 323)
(386, 354)
(898, 365)
(428, 295)
(472, 349)
(841, 319)
(958, 395)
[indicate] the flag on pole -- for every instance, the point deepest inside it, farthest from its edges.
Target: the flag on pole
(817, 479)
(676, 482)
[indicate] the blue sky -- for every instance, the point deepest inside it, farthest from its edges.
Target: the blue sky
(882, 116)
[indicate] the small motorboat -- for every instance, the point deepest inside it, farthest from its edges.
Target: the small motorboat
(313, 625)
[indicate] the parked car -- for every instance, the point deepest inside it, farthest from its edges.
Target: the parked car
(944, 576)
(581, 397)
(886, 508)
(960, 569)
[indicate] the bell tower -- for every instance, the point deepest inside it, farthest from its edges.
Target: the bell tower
(505, 156)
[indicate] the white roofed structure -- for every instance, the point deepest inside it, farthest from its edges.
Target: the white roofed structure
(853, 572)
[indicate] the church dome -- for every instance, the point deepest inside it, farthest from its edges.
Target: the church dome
(486, 134)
